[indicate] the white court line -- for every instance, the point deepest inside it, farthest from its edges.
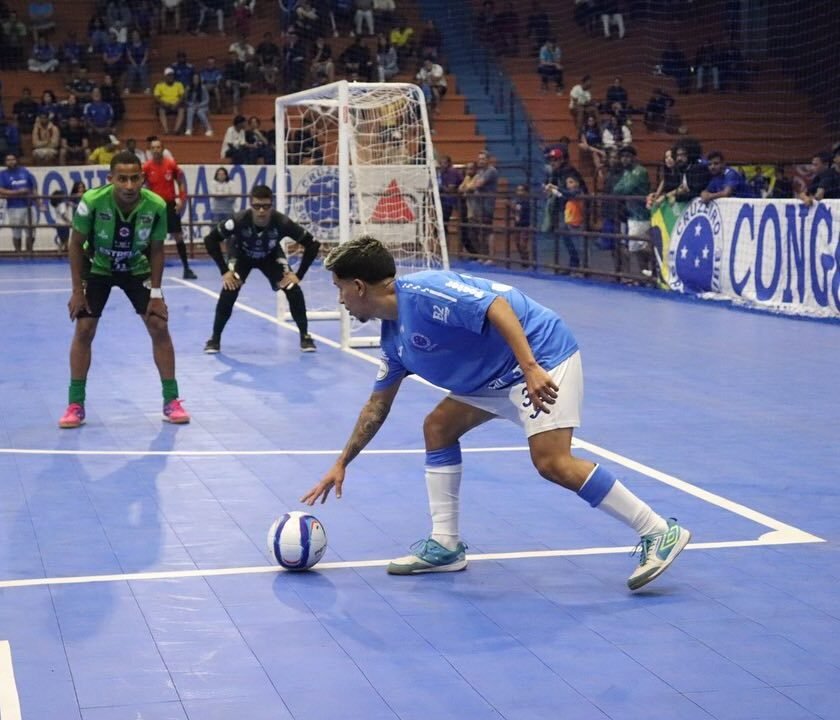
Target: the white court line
(9, 700)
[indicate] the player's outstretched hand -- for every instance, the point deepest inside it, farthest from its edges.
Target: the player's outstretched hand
(157, 307)
(77, 303)
(333, 478)
(541, 388)
(288, 280)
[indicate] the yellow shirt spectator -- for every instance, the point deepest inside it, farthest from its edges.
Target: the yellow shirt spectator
(169, 93)
(103, 155)
(400, 37)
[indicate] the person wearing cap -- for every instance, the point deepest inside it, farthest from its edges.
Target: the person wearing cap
(636, 182)
(169, 97)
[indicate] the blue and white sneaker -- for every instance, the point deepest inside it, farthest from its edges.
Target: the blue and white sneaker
(430, 556)
(657, 552)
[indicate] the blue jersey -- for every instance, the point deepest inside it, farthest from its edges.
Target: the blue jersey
(442, 333)
(730, 178)
(18, 179)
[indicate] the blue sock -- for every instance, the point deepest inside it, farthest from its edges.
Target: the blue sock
(596, 486)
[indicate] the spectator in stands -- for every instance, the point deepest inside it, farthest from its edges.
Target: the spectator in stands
(449, 180)
(81, 85)
(212, 78)
(550, 67)
(782, 187)
(74, 143)
(104, 151)
(402, 38)
(363, 16)
(635, 183)
(44, 58)
(183, 69)
(724, 181)
(97, 34)
(669, 179)
(267, 57)
(611, 15)
(244, 51)
(169, 97)
(387, 60)
(234, 147)
(25, 111)
(46, 140)
(144, 17)
(580, 101)
(260, 150)
(49, 105)
(294, 63)
(693, 169)
(616, 94)
(118, 18)
(12, 37)
(243, 12)
(198, 103)
(826, 182)
(223, 196)
(17, 185)
(469, 210)
(675, 65)
(538, 25)
(323, 67)
(707, 61)
(573, 213)
(610, 210)
(657, 110)
(72, 53)
(69, 107)
(236, 78)
(41, 18)
(486, 185)
(170, 8)
(306, 21)
(431, 76)
(591, 145)
(9, 138)
(99, 118)
(113, 56)
(62, 209)
(614, 134)
(507, 22)
(585, 15)
(111, 95)
(211, 7)
(131, 146)
(137, 64)
(302, 147)
(356, 61)
(521, 211)
(431, 40)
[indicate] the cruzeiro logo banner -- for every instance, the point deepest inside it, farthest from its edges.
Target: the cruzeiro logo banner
(780, 255)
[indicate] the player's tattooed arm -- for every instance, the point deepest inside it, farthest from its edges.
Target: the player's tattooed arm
(370, 419)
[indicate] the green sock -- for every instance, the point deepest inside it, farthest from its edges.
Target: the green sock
(170, 389)
(77, 391)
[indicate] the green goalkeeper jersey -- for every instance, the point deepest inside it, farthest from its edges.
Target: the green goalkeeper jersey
(118, 243)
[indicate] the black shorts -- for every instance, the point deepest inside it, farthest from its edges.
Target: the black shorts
(268, 266)
(98, 288)
(173, 217)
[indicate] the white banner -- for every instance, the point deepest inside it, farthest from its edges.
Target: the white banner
(312, 189)
(775, 254)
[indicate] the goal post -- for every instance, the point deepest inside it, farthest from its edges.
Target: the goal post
(355, 158)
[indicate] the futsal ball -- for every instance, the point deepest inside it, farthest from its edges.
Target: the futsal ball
(297, 540)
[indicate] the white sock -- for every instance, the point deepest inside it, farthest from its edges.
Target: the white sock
(623, 505)
(443, 484)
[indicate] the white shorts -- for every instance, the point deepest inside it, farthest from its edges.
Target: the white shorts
(637, 228)
(512, 403)
(17, 219)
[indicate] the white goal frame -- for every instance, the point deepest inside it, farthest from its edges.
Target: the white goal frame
(340, 95)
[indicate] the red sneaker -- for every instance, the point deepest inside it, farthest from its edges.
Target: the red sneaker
(73, 417)
(174, 412)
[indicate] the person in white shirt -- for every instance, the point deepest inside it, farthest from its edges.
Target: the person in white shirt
(580, 101)
(431, 76)
(234, 144)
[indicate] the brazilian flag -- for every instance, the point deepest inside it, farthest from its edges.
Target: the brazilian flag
(663, 218)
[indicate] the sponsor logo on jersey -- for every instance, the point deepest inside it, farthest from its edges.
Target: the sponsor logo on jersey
(125, 232)
(421, 342)
(382, 373)
(465, 289)
(106, 215)
(441, 314)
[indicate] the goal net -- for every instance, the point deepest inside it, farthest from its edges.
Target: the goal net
(357, 158)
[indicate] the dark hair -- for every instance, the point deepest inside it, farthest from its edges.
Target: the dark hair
(125, 157)
(224, 170)
(77, 187)
(715, 154)
(364, 258)
(824, 157)
(262, 192)
(56, 198)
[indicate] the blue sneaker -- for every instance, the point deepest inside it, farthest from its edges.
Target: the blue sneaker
(430, 556)
(658, 551)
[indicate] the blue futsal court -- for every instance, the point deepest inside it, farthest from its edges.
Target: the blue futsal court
(135, 583)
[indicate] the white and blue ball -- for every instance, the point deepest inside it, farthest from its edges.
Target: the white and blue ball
(297, 540)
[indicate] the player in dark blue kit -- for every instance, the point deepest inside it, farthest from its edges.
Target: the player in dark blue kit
(254, 240)
(500, 354)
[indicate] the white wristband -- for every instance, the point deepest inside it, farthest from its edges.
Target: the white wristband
(156, 294)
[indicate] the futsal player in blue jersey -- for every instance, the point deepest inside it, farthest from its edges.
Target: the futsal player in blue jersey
(500, 355)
